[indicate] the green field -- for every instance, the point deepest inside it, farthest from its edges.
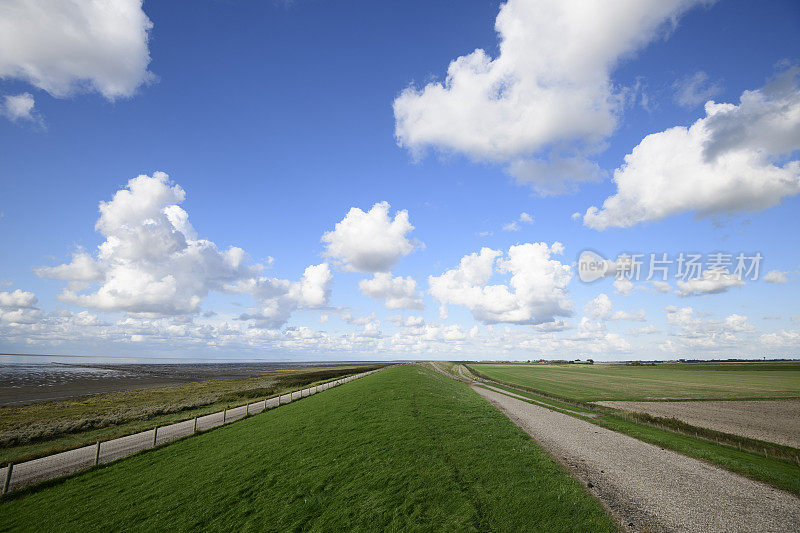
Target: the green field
(607, 381)
(403, 449)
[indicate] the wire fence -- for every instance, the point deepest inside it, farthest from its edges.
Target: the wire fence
(18, 476)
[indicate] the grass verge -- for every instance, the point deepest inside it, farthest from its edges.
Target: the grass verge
(45, 428)
(403, 449)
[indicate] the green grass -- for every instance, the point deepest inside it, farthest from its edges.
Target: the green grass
(49, 427)
(622, 382)
(403, 449)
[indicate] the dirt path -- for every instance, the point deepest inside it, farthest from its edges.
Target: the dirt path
(461, 372)
(648, 488)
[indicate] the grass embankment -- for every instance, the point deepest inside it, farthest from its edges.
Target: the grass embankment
(49, 427)
(403, 449)
(731, 452)
(608, 381)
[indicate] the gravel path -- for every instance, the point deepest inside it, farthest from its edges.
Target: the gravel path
(648, 488)
(775, 421)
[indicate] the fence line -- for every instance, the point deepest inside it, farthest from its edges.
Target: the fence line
(25, 474)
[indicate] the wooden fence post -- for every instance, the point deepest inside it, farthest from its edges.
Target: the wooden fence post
(265, 404)
(224, 415)
(7, 481)
(247, 410)
(194, 429)
(155, 436)
(97, 454)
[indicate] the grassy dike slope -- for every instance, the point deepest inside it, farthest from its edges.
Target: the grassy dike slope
(403, 449)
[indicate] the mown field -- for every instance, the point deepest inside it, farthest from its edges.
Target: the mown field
(48, 427)
(606, 381)
(404, 449)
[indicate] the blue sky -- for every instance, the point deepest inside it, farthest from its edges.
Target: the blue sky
(277, 118)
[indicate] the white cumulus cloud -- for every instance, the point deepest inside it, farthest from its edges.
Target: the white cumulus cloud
(623, 286)
(18, 299)
(776, 276)
(782, 339)
(710, 282)
(397, 293)
(279, 298)
(64, 47)
(729, 161)
(152, 261)
(19, 107)
(599, 308)
(695, 332)
(18, 307)
(536, 292)
(370, 241)
(548, 89)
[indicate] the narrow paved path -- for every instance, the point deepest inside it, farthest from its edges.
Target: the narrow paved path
(649, 488)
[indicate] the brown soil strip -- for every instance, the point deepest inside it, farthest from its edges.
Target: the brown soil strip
(775, 421)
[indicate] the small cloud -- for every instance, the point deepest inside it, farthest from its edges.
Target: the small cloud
(623, 286)
(710, 282)
(645, 330)
(524, 218)
(638, 316)
(691, 91)
(661, 286)
(776, 276)
(19, 107)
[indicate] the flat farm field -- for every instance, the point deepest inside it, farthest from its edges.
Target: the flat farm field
(664, 381)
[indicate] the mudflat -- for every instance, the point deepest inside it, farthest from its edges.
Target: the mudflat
(22, 384)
